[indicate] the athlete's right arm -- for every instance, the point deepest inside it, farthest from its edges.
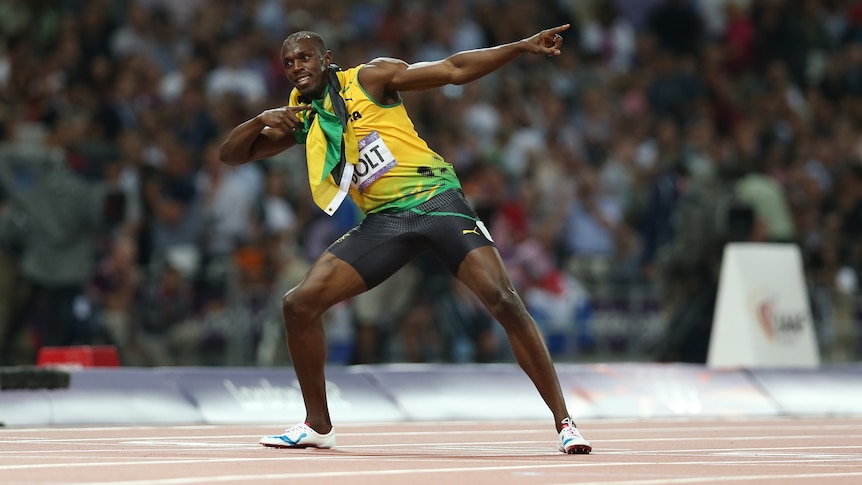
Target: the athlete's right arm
(265, 135)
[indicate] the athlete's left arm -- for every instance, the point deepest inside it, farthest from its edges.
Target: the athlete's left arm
(395, 75)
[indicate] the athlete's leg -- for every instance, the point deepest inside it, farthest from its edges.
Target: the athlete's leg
(329, 281)
(483, 272)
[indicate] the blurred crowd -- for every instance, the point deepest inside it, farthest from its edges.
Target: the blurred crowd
(666, 129)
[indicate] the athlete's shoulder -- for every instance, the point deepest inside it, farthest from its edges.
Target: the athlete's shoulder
(386, 61)
(352, 71)
(382, 66)
(376, 76)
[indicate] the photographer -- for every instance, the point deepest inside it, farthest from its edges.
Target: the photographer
(711, 215)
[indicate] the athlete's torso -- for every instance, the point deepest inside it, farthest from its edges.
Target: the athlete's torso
(396, 169)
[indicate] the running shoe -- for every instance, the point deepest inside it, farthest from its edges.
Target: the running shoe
(300, 436)
(571, 441)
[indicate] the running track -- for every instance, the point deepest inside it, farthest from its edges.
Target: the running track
(643, 452)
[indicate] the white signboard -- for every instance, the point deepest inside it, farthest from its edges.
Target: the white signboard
(762, 315)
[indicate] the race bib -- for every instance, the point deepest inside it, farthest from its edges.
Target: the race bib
(375, 160)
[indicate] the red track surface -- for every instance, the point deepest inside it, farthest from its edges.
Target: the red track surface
(654, 452)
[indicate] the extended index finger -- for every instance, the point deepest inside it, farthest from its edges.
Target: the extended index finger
(557, 30)
(551, 40)
(297, 109)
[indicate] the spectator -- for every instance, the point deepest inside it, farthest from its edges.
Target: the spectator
(278, 216)
(134, 37)
(768, 200)
(590, 230)
(226, 206)
(658, 223)
(554, 295)
(192, 124)
(175, 204)
(113, 290)
(232, 77)
(678, 27)
(54, 219)
(167, 331)
(609, 36)
(378, 314)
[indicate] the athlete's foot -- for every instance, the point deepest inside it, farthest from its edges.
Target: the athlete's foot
(300, 436)
(571, 441)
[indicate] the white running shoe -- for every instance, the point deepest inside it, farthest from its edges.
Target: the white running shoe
(571, 441)
(300, 436)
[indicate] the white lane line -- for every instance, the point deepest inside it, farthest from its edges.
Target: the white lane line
(112, 451)
(102, 429)
(726, 478)
(595, 425)
(735, 450)
(526, 458)
(842, 438)
(193, 444)
(26, 439)
(387, 424)
(414, 472)
(343, 474)
(306, 455)
(598, 445)
(521, 446)
(45, 439)
(30, 440)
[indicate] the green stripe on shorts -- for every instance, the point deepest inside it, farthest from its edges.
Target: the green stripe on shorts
(436, 213)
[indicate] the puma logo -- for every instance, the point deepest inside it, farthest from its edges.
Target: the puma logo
(479, 230)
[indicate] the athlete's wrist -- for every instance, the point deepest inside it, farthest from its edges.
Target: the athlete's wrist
(258, 120)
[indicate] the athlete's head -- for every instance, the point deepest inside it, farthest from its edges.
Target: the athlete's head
(306, 59)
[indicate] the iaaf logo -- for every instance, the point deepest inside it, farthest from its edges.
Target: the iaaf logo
(777, 322)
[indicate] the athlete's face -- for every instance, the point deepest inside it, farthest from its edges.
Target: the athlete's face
(305, 66)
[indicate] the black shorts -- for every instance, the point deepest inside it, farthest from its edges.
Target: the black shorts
(383, 242)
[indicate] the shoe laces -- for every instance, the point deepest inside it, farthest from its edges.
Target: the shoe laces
(296, 428)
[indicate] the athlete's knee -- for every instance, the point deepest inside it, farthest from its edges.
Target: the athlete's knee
(298, 306)
(502, 300)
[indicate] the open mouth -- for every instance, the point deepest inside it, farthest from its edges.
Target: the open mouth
(302, 80)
